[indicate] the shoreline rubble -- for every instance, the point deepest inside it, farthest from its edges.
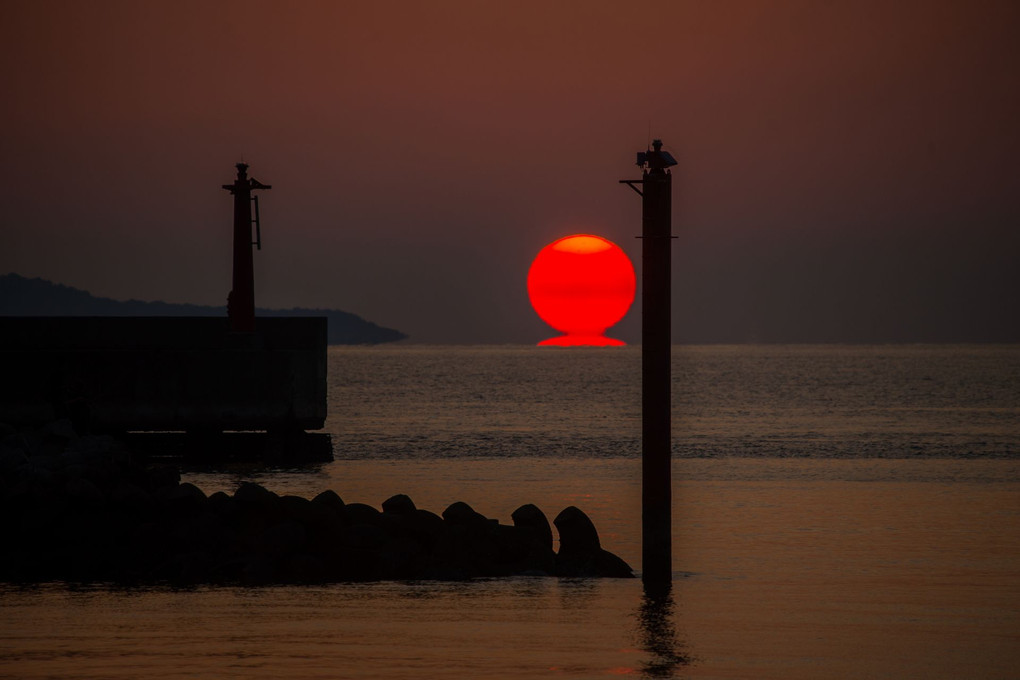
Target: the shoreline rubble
(85, 509)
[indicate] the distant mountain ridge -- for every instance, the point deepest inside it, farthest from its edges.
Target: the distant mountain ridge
(21, 296)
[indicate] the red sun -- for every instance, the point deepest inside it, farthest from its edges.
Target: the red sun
(581, 285)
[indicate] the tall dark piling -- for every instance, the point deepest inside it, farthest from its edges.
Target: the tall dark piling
(241, 300)
(656, 480)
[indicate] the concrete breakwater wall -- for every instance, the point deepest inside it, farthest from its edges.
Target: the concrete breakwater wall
(84, 509)
(112, 374)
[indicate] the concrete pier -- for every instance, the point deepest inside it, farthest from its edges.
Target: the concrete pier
(118, 374)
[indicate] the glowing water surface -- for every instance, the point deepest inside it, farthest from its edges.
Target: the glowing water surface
(841, 512)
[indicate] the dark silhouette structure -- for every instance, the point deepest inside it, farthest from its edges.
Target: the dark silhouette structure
(241, 300)
(656, 480)
(186, 373)
(190, 374)
(102, 514)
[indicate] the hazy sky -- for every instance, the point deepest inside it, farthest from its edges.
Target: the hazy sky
(848, 170)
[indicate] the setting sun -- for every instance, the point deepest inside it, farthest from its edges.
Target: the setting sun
(581, 285)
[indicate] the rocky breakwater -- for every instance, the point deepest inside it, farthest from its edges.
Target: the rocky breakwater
(83, 509)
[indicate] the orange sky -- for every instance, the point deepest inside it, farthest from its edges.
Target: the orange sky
(847, 170)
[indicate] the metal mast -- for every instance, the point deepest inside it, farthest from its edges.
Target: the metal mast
(656, 481)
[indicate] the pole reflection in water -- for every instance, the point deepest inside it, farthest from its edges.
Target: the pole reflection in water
(658, 634)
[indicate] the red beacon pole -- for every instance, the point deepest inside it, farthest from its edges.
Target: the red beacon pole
(241, 300)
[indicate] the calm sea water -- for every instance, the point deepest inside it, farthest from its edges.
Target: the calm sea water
(736, 401)
(839, 512)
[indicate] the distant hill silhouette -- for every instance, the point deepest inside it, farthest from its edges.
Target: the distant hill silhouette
(20, 296)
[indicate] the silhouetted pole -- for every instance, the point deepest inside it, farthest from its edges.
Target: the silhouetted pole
(656, 481)
(241, 300)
